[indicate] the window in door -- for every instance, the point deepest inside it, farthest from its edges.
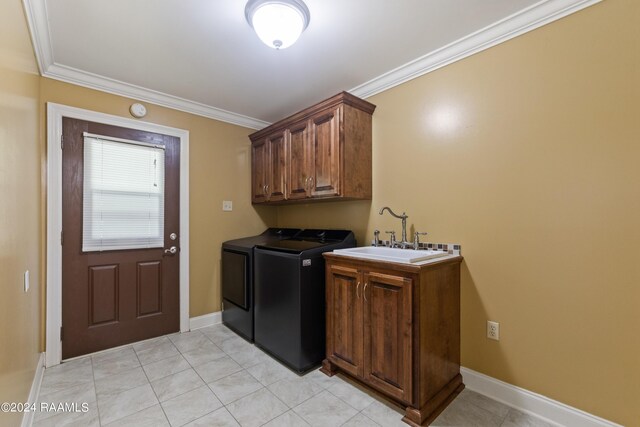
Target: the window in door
(123, 194)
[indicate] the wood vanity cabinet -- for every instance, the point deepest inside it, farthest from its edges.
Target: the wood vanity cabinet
(322, 152)
(396, 328)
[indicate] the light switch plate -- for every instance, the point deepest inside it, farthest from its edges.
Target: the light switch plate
(26, 280)
(227, 205)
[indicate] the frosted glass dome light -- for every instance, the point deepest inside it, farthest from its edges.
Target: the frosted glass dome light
(278, 23)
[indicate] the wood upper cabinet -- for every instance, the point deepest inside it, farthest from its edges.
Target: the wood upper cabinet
(276, 185)
(396, 329)
(268, 168)
(299, 161)
(259, 171)
(327, 154)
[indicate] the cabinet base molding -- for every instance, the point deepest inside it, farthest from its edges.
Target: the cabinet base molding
(415, 417)
(328, 369)
(434, 406)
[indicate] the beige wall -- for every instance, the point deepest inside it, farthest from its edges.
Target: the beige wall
(528, 155)
(20, 229)
(219, 169)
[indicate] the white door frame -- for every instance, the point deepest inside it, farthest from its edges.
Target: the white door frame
(55, 113)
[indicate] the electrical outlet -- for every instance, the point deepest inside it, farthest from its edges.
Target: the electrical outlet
(493, 330)
(227, 205)
(26, 280)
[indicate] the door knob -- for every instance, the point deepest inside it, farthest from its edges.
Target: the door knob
(171, 251)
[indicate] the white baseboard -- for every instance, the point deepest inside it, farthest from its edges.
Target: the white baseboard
(34, 393)
(531, 403)
(205, 320)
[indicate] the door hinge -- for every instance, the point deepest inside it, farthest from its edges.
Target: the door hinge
(61, 238)
(62, 142)
(61, 333)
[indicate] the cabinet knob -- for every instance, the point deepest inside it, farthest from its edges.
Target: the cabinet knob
(357, 290)
(364, 291)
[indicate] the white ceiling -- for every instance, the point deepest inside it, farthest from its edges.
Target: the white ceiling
(203, 52)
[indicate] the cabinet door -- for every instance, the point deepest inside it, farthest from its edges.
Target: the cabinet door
(325, 178)
(277, 171)
(299, 162)
(387, 334)
(344, 319)
(259, 171)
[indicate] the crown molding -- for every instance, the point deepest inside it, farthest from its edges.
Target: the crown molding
(535, 16)
(37, 18)
(528, 19)
(116, 87)
(36, 13)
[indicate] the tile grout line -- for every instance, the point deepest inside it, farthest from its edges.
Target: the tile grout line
(290, 408)
(175, 373)
(199, 376)
(152, 389)
(360, 413)
(266, 387)
(244, 369)
(502, 419)
(159, 360)
(93, 376)
(203, 380)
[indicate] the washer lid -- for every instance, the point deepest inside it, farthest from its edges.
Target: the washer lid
(308, 239)
(294, 245)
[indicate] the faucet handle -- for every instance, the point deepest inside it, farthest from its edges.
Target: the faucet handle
(392, 240)
(376, 238)
(416, 239)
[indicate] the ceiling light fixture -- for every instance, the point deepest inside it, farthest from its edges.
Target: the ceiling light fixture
(278, 23)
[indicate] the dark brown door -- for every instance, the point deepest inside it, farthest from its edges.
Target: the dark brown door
(276, 182)
(344, 319)
(325, 180)
(259, 171)
(112, 296)
(299, 162)
(387, 334)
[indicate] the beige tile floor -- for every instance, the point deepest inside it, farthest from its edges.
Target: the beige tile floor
(211, 377)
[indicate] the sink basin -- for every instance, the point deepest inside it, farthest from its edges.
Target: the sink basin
(405, 256)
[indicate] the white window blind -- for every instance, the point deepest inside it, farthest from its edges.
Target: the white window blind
(123, 196)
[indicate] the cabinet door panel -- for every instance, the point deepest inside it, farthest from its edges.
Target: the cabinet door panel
(387, 334)
(344, 319)
(259, 171)
(276, 184)
(326, 154)
(299, 162)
